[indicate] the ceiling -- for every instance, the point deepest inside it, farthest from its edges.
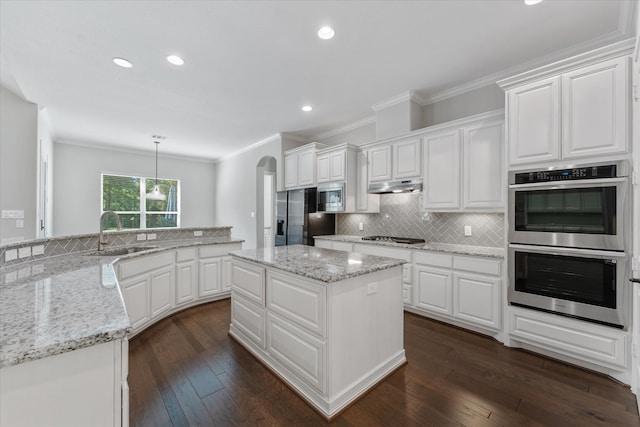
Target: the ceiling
(251, 65)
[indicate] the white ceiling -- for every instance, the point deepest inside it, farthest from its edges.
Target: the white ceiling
(251, 65)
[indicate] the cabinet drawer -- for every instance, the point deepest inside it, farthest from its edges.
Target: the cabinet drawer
(298, 301)
(407, 294)
(298, 351)
(434, 259)
(477, 265)
(574, 338)
(185, 254)
(248, 280)
(386, 251)
(135, 267)
(218, 250)
(407, 273)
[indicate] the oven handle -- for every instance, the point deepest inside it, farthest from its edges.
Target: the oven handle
(571, 183)
(569, 251)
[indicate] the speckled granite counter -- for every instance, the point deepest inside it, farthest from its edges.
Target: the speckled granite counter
(325, 265)
(63, 303)
(485, 251)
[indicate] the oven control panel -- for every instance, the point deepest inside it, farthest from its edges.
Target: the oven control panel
(590, 172)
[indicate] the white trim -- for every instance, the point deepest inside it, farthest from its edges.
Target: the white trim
(110, 147)
(614, 50)
(346, 128)
(403, 97)
(249, 147)
(625, 19)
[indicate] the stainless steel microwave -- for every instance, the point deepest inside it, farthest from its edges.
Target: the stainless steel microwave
(331, 197)
(574, 206)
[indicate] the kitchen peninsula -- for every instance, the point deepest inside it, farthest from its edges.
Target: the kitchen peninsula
(328, 322)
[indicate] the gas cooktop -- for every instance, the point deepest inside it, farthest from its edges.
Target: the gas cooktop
(406, 240)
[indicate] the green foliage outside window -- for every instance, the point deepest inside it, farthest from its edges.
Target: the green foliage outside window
(122, 194)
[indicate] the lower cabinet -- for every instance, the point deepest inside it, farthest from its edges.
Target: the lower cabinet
(84, 387)
(463, 288)
(156, 285)
(407, 268)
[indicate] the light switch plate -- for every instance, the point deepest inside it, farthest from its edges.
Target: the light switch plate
(10, 255)
(151, 236)
(24, 252)
(141, 236)
(197, 233)
(467, 230)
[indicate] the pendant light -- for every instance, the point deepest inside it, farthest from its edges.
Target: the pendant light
(156, 194)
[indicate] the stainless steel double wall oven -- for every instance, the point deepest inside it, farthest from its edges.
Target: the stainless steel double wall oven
(569, 240)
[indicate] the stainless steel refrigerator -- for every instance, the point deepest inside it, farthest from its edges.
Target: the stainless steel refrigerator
(297, 220)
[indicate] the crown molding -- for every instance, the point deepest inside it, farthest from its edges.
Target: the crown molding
(117, 148)
(346, 128)
(614, 50)
(250, 147)
(403, 97)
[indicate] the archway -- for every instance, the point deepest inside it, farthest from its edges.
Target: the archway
(265, 201)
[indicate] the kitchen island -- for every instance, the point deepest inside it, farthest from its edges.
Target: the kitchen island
(329, 323)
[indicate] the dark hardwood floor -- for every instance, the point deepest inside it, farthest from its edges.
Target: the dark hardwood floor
(186, 371)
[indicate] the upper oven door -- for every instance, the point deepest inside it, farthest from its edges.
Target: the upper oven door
(580, 214)
(330, 197)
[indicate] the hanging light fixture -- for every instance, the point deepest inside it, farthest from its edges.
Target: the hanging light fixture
(156, 194)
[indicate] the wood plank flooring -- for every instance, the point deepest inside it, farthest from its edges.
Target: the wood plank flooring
(186, 371)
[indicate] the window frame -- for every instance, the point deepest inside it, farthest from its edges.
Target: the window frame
(143, 205)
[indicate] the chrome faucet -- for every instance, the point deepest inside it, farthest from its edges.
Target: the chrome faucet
(101, 239)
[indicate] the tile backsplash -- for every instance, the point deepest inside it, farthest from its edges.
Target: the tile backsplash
(401, 215)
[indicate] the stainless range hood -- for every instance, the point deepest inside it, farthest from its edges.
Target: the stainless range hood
(401, 186)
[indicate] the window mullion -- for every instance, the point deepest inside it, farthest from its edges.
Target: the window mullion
(143, 203)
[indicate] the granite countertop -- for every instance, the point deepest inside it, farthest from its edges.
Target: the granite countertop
(63, 303)
(325, 265)
(485, 251)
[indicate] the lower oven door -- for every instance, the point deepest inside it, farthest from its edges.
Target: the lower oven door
(588, 284)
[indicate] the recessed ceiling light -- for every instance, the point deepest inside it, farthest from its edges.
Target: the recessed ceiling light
(307, 108)
(326, 33)
(532, 2)
(122, 62)
(175, 59)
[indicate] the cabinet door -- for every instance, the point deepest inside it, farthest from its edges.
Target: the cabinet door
(365, 202)
(338, 166)
(307, 169)
(226, 273)
(407, 159)
(483, 165)
(595, 103)
(186, 281)
(291, 171)
(434, 289)
(380, 163)
(442, 171)
(477, 299)
(322, 168)
(135, 292)
(210, 272)
(533, 122)
(162, 288)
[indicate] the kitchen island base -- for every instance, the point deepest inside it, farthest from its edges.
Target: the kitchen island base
(330, 342)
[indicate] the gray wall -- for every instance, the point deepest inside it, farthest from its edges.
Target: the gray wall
(236, 190)
(477, 101)
(18, 164)
(77, 205)
(357, 136)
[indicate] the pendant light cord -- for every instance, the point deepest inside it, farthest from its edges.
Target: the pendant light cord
(157, 142)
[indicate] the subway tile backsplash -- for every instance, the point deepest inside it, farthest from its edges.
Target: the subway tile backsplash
(401, 215)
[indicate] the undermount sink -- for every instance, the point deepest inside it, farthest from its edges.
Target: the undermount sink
(121, 251)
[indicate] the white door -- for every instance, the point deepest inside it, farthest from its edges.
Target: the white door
(442, 171)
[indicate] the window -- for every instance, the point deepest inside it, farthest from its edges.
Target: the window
(125, 195)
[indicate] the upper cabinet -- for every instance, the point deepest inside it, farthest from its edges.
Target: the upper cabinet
(463, 166)
(574, 109)
(365, 202)
(397, 160)
(331, 165)
(300, 166)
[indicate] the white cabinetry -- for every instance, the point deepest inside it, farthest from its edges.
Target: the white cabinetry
(577, 108)
(331, 165)
(365, 202)
(154, 286)
(464, 167)
(395, 160)
(84, 387)
(186, 275)
(333, 244)
(300, 166)
(462, 289)
(338, 164)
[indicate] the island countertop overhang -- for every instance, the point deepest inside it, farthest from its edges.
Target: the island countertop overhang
(324, 265)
